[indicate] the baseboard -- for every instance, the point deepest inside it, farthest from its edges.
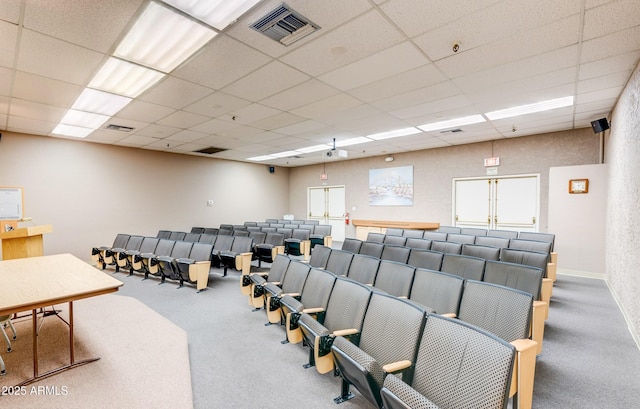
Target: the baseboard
(580, 273)
(632, 330)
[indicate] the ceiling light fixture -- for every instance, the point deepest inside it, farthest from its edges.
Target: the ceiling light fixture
(83, 119)
(100, 102)
(124, 78)
(217, 13)
(452, 123)
(70, 130)
(530, 108)
(394, 134)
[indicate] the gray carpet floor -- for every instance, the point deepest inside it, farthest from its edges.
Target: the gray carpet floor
(589, 358)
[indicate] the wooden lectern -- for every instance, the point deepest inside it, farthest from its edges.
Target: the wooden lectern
(23, 242)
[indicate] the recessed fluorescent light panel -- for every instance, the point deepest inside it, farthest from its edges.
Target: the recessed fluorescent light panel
(83, 119)
(100, 102)
(452, 123)
(217, 13)
(261, 158)
(314, 148)
(394, 134)
(530, 108)
(70, 130)
(352, 141)
(124, 78)
(162, 39)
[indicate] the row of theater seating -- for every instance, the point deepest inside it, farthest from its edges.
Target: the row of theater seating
(369, 332)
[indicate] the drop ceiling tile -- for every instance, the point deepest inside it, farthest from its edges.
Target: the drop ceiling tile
(346, 44)
(136, 125)
(222, 62)
(391, 61)
(5, 81)
(137, 140)
(175, 93)
(269, 80)
(217, 104)
(214, 126)
(94, 24)
(598, 95)
(4, 105)
(45, 90)
(302, 94)
(277, 121)
(328, 106)
(602, 105)
(620, 42)
(416, 97)
(30, 125)
(301, 127)
(157, 131)
(240, 131)
(620, 62)
(34, 110)
(10, 11)
(104, 136)
(8, 36)
(610, 17)
(64, 61)
(186, 136)
(144, 111)
(182, 119)
(252, 113)
(617, 80)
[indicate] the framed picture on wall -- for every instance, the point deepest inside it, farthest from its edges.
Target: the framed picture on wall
(579, 186)
(391, 186)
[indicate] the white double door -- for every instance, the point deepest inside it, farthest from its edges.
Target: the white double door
(327, 205)
(504, 203)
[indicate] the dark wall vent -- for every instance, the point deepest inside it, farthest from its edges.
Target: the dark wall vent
(119, 128)
(210, 150)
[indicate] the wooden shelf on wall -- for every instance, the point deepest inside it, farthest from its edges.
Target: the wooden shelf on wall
(363, 227)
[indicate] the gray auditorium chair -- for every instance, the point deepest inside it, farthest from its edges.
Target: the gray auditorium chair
(192, 237)
(446, 247)
(485, 252)
(163, 234)
(417, 243)
(223, 243)
(167, 265)
(506, 313)
(207, 238)
(197, 230)
(375, 237)
(449, 229)
(363, 269)
(394, 240)
(299, 243)
(148, 245)
(313, 300)
(339, 261)
(104, 255)
(434, 235)
(313, 222)
(320, 256)
(438, 292)
(538, 236)
(226, 226)
(148, 261)
(272, 246)
(257, 281)
(225, 232)
(395, 253)
(461, 238)
(352, 245)
(321, 235)
(493, 241)
(371, 248)
(177, 235)
(211, 230)
(238, 256)
(343, 317)
(428, 259)
(241, 233)
(530, 245)
(474, 231)
(292, 285)
(271, 221)
(286, 232)
(392, 231)
(535, 259)
(413, 234)
(394, 278)
(122, 260)
(253, 228)
(388, 345)
(467, 267)
(195, 268)
(451, 355)
(507, 234)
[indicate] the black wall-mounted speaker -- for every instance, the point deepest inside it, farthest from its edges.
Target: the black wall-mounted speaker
(272, 169)
(600, 125)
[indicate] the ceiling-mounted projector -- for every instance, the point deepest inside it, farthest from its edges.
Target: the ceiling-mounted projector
(335, 153)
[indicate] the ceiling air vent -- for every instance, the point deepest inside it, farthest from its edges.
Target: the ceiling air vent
(284, 25)
(452, 131)
(210, 150)
(119, 128)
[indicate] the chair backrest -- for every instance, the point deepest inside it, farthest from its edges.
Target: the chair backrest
(223, 243)
(301, 234)
(225, 232)
(320, 256)
(412, 233)
(254, 228)
(207, 238)
(363, 269)
(518, 276)
(395, 278)
(274, 239)
(240, 233)
(242, 244)
(395, 240)
(211, 230)
(269, 229)
(485, 252)
(375, 237)
(436, 290)
(307, 227)
(258, 236)
(371, 248)
(347, 305)
(322, 230)
(313, 222)
(461, 238)
(417, 243)
(250, 224)
(450, 357)
(226, 226)
(317, 288)
(538, 236)
(163, 234)
(201, 251)
(530, 245)
(428, 259)
(197, 230)
(296, 276)
(503, 311)
(507, 234)
(164, 247)
(395, 253)
(449, 229)
(181, 249)
(192, 237)
(392, 231)
(471, 268)
(271, 221)
(352, 245)
(279, 267)
(134, 242)
(474, 231)
(120, 242)
(339, 262)
(493, 241)
(287, 233)
(528, 258)
(149, 244)
(446, 247)
(177, 235)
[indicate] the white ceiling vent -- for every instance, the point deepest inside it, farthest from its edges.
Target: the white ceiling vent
(284, 25)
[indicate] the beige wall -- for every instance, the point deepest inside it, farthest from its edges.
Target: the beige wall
(90, 192)
(622, 154)
(434, 170)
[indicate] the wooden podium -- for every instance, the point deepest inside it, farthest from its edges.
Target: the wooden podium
(23, 242)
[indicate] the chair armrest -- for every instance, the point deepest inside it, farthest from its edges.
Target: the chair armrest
(450, 315)
(540, 309)
(312, 310)
(524, 372)
(345, 332)
(398, 366)
(294, 295)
